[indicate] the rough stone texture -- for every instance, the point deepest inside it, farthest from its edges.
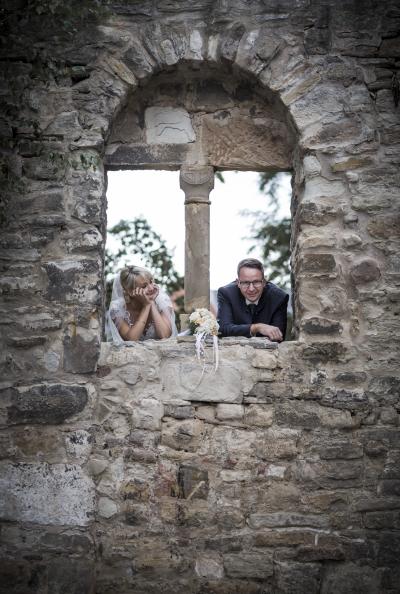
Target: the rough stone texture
(46, 403)
(168, 126)
(133, 473)
(46, 494)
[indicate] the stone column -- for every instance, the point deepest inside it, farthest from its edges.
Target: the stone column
(197, 183)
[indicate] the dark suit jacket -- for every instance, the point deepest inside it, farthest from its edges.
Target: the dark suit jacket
(234, 317)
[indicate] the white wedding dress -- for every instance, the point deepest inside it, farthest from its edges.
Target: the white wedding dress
(118, 312)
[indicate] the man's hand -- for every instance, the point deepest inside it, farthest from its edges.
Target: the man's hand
(271, 332)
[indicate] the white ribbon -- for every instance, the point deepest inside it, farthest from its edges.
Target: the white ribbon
(200, 350)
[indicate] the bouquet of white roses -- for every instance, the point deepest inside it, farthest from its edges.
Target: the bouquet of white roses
(202, 323)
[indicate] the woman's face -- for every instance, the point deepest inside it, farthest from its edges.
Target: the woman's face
(146, 283)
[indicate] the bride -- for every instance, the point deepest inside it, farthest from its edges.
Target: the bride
(138, 310)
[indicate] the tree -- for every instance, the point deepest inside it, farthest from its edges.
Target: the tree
(136, 237)
(272, 231)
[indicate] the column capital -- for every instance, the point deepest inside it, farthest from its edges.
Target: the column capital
(197, 183)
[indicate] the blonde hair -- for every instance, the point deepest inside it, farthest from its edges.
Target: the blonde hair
(128, 276)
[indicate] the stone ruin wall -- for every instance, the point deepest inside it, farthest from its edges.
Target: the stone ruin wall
(279, 473)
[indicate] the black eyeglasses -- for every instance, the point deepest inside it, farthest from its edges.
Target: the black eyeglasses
(256, 284)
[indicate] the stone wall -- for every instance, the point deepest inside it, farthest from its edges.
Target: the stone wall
(272, 474)
(278, 473)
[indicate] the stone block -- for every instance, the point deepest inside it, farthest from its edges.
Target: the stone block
(18, 575)
(207, 566)
(235, 476)
(384, 226)
(337, 474)
(320, 239)
(264, 360)
(229, 517)
(41, 168)
(389, 487)
(267, 392)
(195, 514)
(206, 413)
(230, 412)
(388, 548)
(350, 579)
(70, 576)
(45, 403)
(351, 377)
(156, 557)
(390, 578)
(281, 537)
(79, 443)
(135, 490)
(278, 444)
(230, 40)
(275, 472)
(69, 281)
(168, 125)
(385, 389)
(352, 241)
(311, 166)
(140, 455)
(319, 187)
(324, 352)
(297, 578)
(188, 381)
(287, 519)
(389, 416)
(382, 520)
(318, 215)
(344, 450)
(81, 350)
(353, 400)
(107, 507)
(318, 265)
(85, 241)
(310, 415)
(317, 325)
(179, 409)
(182, 435)
(251, 564)
(193, 482)
(51, 494)
(232, 441)
(259, 415)
(365, 271)
(96, 467)
(148, 414)
(348, 163)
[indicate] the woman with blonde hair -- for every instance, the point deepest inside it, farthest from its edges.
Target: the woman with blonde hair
(139, 309)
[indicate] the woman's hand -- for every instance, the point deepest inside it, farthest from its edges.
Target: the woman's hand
(141, 297)
(153, 294)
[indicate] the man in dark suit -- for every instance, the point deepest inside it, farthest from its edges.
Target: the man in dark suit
(252, 306)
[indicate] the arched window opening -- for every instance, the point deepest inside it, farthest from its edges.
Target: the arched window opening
(248, 218)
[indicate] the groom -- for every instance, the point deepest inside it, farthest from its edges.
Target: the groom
(252, 306)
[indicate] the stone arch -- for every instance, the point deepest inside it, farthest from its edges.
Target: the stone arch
(244, 55)
(279, 66)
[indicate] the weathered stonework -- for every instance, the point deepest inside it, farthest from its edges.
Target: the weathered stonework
(125, 470)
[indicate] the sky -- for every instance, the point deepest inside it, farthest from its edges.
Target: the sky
(156, 196)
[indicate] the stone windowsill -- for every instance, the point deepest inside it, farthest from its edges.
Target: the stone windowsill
(255, 342)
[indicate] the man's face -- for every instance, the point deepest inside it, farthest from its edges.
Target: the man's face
(251, 283)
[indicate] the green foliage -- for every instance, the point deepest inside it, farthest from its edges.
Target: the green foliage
(136, 237)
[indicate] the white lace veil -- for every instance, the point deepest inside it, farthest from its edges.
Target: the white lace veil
(118, 311)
